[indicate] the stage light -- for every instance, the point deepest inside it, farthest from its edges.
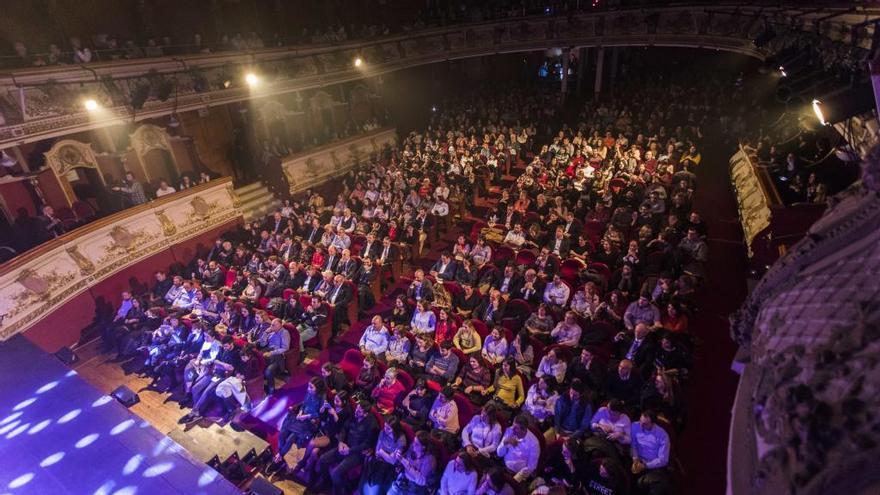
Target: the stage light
(817, 109)
(18, 431)
(20, 481)
(23, 404)
(121, 427)
(91, 105)
(11, 417)
(844, 103)
(358, 62)
(9, 426)
(42, 425)
(782, 71)
(100, 401)
(69, 416)
(47, 387)
(86, 440)
(226, 84)
(158, 469)
(133, 464)
(251, 79)
(52, 459)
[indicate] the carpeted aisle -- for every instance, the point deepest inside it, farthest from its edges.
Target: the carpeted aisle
(702, 447)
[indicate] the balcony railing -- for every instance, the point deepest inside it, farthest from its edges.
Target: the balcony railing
(51, 274)
(47, 102)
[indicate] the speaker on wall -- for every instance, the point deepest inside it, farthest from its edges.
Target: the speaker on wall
(262, 486)
(125, 396)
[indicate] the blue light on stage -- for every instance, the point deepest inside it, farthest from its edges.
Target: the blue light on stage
(121, 427)
(158, 469)
(47, 387)
(42, 425)
(208, 476)
(21, 481)
(9, 426)
(18, 431)
(160, 447)
(104, 399)
(52, 459)
(87, 440)
(23, 404)
(71, 373)
(128, 490)
(133, 464)
(105, 488)
(11, 417)
(69, 416)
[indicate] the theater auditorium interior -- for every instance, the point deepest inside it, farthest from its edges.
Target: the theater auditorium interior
(455, 247)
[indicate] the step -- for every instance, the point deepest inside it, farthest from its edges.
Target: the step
(248, 188)
(255, 195)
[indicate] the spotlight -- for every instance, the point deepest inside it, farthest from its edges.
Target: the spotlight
(91, 105)
(226, 84)
(251, 79)
(817, 109)
(844, 103)
(358, 62)
(782, 71)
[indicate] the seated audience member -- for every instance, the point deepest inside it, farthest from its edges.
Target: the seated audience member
(375, 338)
(301, 423)
(444, 413)
(388, 392)
(573, 412)
(642, 311)
(356, 438)
(275, 342)
(625, 385)
(416, 405)
(638, 348)
(467, 340)
(397, 352)
(311, 321)
(421, 354)
(507, 389)
(445, 268)
(466, 302)
(420, 288)
(424, 321)
(368, 376)
(445, 328)
(556, 293)
(540, 323)
(491, 310)
(444, 364)
(541, 399)
(650, 454)
(494, 482)
(522, 352)
(380, 469)
(611, 423)
(495, 347)
(482, 435)
(418, 468)
(567, 332)
(519, 449)
(552, 366)
(459, 476)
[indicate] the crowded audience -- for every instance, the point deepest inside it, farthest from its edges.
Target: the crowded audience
(530, 335)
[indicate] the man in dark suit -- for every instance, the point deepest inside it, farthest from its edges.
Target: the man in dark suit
(445, 267)
(388, 254)
(332, 259)
(212, 276)
(625, 386)
(529, 287)
(421, 288)
(49, 226)
(347, 266)
(339, 297)
(276, 276)
(466, 301)
(276, 223)
(506, 280)
(638, 348)
(491, 309)
(312, 279)
(314, 233)
(288, 250)
(296, 275)
(546, 264)
(372, 248)
(363, 280)
(570, 227)
(559, 244)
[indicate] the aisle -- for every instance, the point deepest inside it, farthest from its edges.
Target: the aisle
(702, 447)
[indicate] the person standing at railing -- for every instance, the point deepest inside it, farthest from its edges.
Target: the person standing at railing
(134, 189)
(50, 225)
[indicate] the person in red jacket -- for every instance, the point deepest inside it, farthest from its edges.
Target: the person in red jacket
(388, 391)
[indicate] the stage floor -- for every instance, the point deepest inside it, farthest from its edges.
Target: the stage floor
(60, 434)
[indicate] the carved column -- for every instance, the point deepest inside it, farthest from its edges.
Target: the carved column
(566, 59)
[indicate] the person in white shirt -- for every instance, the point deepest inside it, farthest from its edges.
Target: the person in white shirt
(444, 412)
(375, 338)
(650, 454)
(459, 477)
(520, 449)
(441, 208)
(164, 189)
(515, 237)
(612, 423)
(541, 398)
(551, 365)
(495, 347)
(567, 331)
(186, 297)
(556, 292)
(482, 435)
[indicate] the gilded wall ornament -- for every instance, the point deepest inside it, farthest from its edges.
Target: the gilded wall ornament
(86, 267)
(168, 227)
